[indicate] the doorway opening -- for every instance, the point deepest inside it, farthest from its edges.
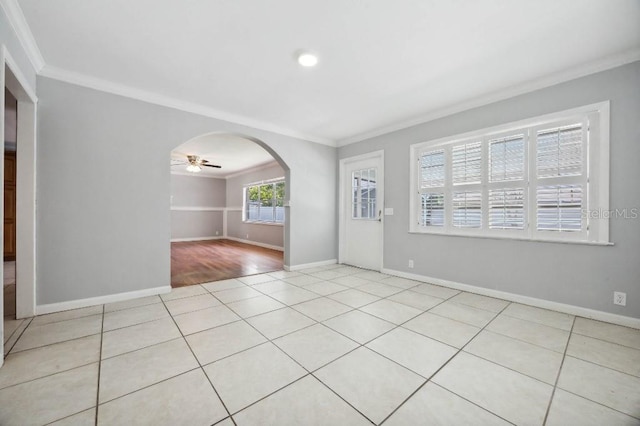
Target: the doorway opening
(9, 237)
(14, 83)
(228, 215)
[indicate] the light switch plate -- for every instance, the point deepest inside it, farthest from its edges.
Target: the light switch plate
(388, 211)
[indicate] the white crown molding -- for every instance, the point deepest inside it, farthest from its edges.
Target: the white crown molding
(18, 74)
(23, 32)
(197, 175)
(500, 95)
(169, 102)
(525, 300)
(257, 168)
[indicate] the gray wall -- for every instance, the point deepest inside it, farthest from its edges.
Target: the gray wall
(189, 196)
(194, 224)
(579, 275)
(266, 234)
(104, 225)
(198, 191)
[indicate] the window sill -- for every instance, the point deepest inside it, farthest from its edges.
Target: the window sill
(255, 222)
(510, 238)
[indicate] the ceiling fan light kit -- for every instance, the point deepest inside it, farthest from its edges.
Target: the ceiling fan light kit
(195, 163)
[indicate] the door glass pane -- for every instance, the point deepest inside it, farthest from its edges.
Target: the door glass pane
(363, 194)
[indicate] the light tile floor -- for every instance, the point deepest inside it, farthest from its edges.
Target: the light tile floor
(331, 345)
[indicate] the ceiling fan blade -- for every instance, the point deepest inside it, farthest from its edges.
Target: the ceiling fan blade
(202, 160)
(211, 165)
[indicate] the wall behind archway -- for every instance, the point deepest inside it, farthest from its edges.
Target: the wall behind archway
(103, 192)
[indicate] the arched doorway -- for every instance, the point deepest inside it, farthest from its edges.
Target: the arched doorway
(228, 214)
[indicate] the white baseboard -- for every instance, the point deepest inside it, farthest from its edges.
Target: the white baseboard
(310, 265)
(525, 300)
(255, 243)
(181, 240)
(99, 300)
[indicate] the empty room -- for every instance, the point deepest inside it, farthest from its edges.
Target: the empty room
(320, 212)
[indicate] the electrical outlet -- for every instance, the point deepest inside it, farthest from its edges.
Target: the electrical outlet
(217, 232)
(247, 236)
(619, 298)
(410, 263)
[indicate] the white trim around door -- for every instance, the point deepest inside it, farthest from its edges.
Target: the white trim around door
(345, 208)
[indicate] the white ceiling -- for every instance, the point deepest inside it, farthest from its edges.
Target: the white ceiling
(383, 64)
(233, 153)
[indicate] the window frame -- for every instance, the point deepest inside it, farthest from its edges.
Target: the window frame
(245, 201)
(595, 178)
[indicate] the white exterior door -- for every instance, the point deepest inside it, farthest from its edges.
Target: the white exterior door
(362, 206)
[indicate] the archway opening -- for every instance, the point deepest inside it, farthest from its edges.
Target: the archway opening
(229, 219)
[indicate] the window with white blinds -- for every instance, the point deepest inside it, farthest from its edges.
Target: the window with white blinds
(538, 179)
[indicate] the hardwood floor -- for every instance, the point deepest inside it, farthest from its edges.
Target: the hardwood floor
(199, 262)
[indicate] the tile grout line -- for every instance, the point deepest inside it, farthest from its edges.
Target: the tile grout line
(606, 341)
(268, 340)
(429, 379)
(8, 318)
(308, 373)
(199, 365)
(99, 366)
(603, 366)
(311, 373)
(555, 384)
(634, 416)
(360, 345)
(29, 321)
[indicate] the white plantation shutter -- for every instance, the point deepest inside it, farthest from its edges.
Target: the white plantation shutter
(559, 151)
(432, 195)
(432, 209)
(432, 169)
(506, 208)
(466, 163)
(560, 178)
(467, 209)
(531, 180)
(559, 208)
(506, 158)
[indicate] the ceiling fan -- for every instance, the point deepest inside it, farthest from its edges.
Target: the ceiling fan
(195, 163)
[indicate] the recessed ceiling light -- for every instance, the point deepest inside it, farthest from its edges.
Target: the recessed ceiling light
(307, 59)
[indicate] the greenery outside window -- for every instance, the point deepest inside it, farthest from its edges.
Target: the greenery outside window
(264, 202)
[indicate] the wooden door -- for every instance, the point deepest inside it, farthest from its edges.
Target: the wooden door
(9, 206)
